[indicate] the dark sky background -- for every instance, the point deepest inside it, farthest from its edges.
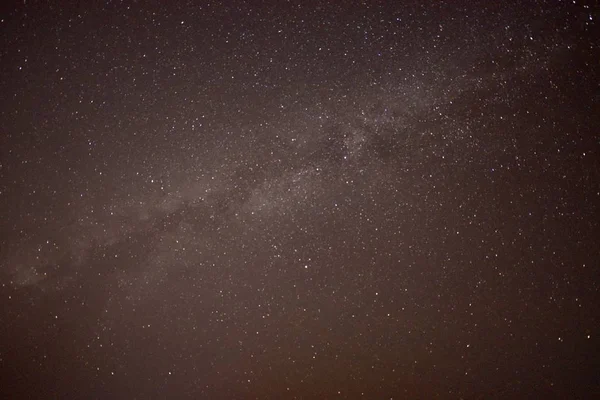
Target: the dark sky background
(299, 200)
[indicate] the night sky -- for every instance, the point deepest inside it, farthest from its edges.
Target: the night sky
(310, 200)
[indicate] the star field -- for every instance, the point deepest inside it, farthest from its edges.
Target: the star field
(299, 200)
